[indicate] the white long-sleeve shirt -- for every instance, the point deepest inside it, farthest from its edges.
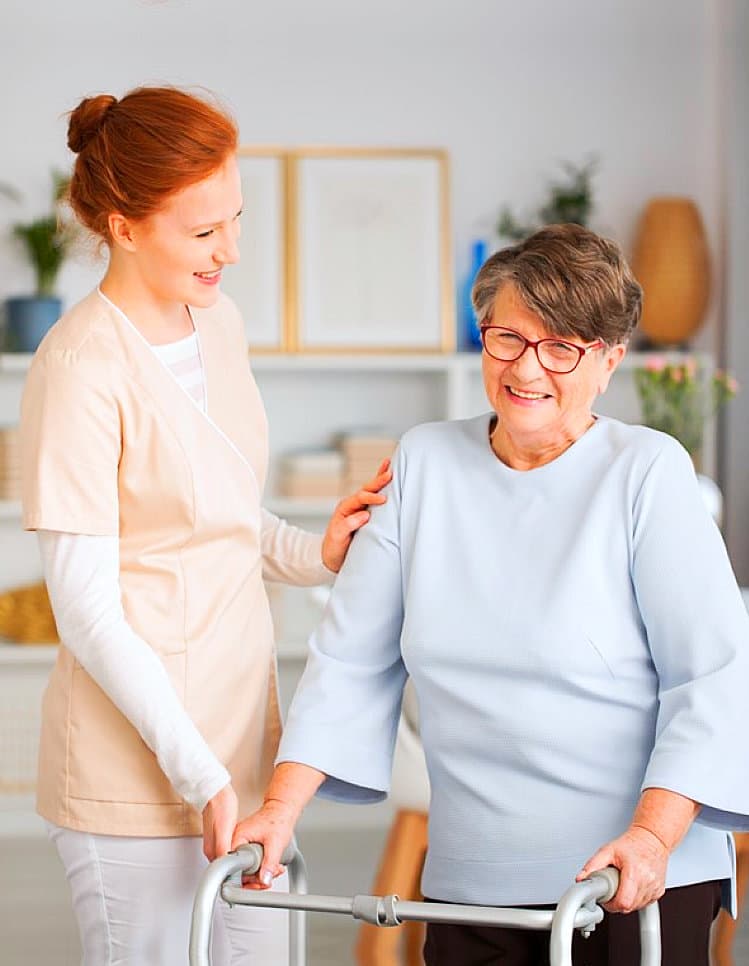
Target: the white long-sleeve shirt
(82, 574)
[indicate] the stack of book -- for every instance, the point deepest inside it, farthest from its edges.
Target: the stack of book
(363, 451)
(10, 463)
(311, 474)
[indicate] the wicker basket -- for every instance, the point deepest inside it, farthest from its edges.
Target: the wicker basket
(26, 616)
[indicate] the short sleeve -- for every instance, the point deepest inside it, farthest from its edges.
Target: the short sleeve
(70, 446)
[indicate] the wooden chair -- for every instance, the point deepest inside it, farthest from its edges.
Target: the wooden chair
(402, 861)
(724, 930)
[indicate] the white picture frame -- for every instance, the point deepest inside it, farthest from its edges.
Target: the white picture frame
(371, 254)
(257, 283)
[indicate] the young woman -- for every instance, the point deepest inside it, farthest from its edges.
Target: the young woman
(145, 455)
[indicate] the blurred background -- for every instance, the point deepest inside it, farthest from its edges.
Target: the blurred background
(644, 100)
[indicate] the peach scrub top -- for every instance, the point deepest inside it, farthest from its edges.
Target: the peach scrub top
(112, 445)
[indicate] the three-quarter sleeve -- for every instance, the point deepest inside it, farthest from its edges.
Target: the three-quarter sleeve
(292, 555)
(344, 716)
(698, 632)
(70, 446)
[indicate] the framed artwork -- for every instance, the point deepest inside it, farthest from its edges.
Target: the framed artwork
(369, 251)
(257, 283)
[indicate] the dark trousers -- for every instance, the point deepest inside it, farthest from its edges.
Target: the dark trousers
(686, 916)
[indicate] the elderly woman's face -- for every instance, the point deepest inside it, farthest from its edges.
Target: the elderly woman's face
(532, 403)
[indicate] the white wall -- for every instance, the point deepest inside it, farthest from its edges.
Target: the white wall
(508, 88)
(736, 428)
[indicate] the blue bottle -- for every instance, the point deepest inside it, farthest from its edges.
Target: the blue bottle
(469, 321)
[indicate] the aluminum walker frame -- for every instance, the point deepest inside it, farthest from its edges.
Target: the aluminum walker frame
(579, 908)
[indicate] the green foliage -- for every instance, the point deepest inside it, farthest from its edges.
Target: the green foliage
(47, 239)
(569, 201)
(676, 398)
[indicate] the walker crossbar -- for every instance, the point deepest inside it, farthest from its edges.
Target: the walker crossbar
(577, 909)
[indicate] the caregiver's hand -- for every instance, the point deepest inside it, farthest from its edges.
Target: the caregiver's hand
(350, 515)
(219, 819)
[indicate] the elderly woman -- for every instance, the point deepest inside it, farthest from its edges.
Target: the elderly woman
(555, 588)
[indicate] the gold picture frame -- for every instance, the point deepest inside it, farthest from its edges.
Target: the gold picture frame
(258, 283)
(369, 263)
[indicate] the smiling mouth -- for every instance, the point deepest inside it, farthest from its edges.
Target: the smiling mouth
(208, 275)
(522, 394)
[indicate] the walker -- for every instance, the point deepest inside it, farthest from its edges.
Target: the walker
(579, 908)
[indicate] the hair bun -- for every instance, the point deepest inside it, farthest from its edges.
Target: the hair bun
(86, 120)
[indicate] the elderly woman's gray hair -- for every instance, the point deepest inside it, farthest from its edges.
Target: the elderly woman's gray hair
(577, 282)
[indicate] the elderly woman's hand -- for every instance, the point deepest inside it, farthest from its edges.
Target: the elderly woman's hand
(641, 859)
(271, 826)
(351, 514)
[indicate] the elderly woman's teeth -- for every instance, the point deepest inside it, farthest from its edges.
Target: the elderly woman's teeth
(527, 395)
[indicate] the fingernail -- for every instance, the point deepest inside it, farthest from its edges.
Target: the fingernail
(265, 877)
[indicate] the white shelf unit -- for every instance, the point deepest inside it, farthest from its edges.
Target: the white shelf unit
(310, 398)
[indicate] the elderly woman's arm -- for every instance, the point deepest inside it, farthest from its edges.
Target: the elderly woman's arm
(341, 726)
(698, 635)
(661, 820)
(290, 789)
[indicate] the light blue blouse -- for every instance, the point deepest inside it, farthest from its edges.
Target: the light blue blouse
(574, 633)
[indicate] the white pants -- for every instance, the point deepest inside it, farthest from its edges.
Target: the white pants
(132, 899)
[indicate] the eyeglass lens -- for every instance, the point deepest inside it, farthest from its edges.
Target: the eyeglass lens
(508, 346)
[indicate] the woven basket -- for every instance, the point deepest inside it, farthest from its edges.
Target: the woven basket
(26, 616)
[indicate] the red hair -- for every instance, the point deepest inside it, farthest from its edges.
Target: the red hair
(135, 152)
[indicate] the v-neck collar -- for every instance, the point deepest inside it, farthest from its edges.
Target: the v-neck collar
(205, 413)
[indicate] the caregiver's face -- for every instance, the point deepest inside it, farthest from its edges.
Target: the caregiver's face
(532, 403)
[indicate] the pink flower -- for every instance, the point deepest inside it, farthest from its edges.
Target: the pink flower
(655, 364)
(732, 384)
(690, 368)
(677, 374)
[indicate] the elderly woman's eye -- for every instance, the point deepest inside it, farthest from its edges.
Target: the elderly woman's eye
(510, 339)
(562, 350)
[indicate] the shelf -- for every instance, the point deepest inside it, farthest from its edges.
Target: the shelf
(16, 654)
(378, 362)
(10, 510)
(15, 361)
(286, 507)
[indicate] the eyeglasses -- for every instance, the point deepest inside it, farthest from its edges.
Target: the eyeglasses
(554, 355)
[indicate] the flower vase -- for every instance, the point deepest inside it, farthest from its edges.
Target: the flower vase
(712, 497)
(471, 333)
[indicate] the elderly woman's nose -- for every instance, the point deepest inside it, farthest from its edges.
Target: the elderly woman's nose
(528, 365)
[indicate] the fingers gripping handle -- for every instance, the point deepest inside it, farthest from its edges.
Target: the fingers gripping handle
(252, 855)
(610, 875)
(247, 858)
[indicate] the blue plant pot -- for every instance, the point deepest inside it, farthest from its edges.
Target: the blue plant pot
(28, 319)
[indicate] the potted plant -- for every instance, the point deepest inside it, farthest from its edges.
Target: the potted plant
(569, 201)
(46, 240)
(677, 398)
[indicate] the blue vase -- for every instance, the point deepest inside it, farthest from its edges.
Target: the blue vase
(472, 335)
(28, 319)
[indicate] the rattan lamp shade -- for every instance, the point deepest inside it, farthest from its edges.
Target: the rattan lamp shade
(671, 263)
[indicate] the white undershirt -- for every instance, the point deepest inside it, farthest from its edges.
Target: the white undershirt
(183, 359)
(82, 574)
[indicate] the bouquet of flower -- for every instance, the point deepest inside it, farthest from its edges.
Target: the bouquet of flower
(677, 398)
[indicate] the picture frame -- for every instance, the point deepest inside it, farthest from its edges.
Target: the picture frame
(258, 282)
(369, 249)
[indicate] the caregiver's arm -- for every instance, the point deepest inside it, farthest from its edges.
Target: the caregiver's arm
(295, 556)
(290, 789)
